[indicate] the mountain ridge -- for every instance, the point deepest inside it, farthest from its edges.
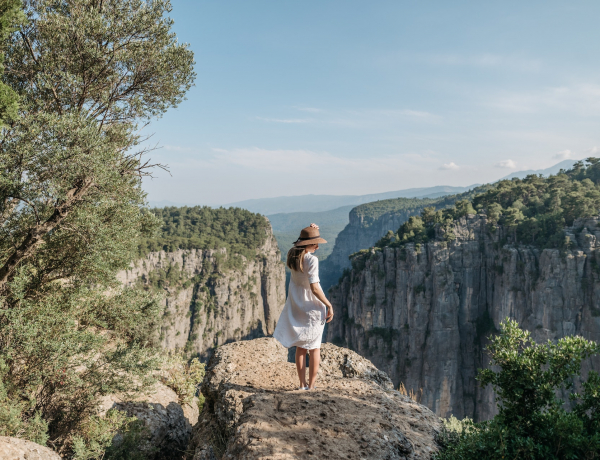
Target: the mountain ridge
(318, 203)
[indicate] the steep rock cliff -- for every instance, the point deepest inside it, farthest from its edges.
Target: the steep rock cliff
(423, 313)
(371, 221)
(206, 305)
(361, 232)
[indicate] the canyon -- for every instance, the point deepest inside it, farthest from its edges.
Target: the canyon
(206, 306)
(423, 313)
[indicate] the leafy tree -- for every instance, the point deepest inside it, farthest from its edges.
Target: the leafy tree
(532, 422)
(88, 75)
(534, 210)
(239, 231)
(10, 16)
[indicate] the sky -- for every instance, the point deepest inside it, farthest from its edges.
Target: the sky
(352, 97)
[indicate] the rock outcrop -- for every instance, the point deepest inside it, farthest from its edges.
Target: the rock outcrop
(253, 410)
(206, 306)
(168, 421)
(423, 313)
(20, 449)
(360, 233)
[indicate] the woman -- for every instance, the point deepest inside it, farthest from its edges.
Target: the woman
(307, 309)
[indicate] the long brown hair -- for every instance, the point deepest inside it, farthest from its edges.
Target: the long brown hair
(294, 258)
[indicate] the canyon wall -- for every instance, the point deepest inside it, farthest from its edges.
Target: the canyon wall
(206, 306)
(361, 232)
(423, 313)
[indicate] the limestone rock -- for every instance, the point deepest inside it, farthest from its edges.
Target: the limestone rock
(169, 423)
(423, 314)
(361, 232)
(240, 303)
(254, 411)
(20, 449)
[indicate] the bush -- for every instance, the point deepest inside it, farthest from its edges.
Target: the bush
(113, 437)
(182, 377)
(532, 423)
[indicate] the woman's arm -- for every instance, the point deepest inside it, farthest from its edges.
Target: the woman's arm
(319, 294)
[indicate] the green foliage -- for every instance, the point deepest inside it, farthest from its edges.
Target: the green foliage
(536, 209)
(16, 419)
(532, 423)
(87, 73)
(422, 229)
(370, 212)
(183, 377)
(11, 16)
(112, 437)
(533, 210)
(237, 230)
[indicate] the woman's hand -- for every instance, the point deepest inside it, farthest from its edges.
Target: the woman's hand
(329, 313)
(314, 226)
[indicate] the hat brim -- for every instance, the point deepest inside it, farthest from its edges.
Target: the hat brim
(313, 241)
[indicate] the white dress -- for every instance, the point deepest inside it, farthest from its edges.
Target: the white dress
(303, 318)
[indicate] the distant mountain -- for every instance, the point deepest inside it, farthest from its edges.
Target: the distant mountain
(566, 164)
(319, 203)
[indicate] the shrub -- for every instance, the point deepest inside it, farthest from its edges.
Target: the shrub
(532, 423)
(183, 377)
(112, 437)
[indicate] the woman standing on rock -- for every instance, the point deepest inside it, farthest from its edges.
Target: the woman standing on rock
(307, 309)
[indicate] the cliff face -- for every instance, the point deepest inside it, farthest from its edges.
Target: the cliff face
(361, 232)
(205, 306)
(422, 314)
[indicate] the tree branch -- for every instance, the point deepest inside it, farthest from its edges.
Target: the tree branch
(35, 236)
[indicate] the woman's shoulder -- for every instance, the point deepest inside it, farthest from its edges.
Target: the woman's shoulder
(311, 259)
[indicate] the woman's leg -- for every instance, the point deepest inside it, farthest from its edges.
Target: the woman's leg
(301, 365)
(313, 367)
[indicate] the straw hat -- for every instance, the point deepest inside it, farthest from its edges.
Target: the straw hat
(309, 235)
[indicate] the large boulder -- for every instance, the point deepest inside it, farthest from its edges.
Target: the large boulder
(254, 411)
(168, 421)
(20, 449)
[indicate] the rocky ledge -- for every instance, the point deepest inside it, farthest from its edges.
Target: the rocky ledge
(20, 449)
(253, 410)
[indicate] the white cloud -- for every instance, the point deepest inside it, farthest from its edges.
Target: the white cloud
(593, 150)
(508, 164)
(450, 166)
(308, 161)
(563, 155)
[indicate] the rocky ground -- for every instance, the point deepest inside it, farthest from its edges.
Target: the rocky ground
(20, 449)
(253, 410)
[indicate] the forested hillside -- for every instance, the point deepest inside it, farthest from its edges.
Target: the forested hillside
(201, 227)
(219, 275)
(287, 226)
(534, 210)
(370, 221)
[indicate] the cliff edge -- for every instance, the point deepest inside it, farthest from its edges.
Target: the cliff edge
(206, 305)
(423, 313)
(253, 409)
